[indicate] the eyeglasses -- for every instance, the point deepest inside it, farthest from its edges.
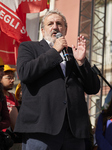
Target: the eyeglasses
(9, 78)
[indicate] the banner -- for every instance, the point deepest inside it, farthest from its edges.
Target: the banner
(13, 25)
(8, 49)
(33, 6)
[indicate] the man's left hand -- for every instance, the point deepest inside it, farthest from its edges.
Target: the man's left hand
(80, 52)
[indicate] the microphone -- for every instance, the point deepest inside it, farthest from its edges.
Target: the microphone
(64, 51)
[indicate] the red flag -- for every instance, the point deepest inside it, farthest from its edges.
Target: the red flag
(13, 25)
(33, 6)
(8, 49)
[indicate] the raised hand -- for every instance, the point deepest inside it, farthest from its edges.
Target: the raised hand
(80, 52)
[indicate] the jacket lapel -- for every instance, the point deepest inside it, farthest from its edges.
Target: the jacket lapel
(46, 47)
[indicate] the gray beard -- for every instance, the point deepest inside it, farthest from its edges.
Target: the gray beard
(50, 39)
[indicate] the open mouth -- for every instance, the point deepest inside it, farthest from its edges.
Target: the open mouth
(54, 33)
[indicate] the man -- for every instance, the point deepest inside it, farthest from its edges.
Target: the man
(8, 83)
(53, 114)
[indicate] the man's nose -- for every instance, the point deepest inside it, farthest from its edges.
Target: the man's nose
(55, 26)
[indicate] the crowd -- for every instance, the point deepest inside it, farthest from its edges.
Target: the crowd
(48, 110)
(8, 102)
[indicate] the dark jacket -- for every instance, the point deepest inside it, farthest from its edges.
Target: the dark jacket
(47, 94)
(103, 141)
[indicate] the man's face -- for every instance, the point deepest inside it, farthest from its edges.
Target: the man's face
(52, 25)
(1, 72)
(8, 80)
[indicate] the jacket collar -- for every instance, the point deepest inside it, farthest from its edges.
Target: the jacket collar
(44, 44)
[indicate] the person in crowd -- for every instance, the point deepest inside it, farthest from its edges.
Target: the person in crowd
(4, 114)
(8, 84)
(18, 93)
(104, 129)
(5, 141)
(54, 114)
(13, 116)
(15, 109)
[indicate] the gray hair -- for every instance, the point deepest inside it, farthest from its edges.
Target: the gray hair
(48, 13)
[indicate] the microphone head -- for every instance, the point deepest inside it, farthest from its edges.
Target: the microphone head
(58, 35)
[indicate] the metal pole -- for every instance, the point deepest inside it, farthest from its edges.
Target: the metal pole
(91, 33)
(103, 52)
